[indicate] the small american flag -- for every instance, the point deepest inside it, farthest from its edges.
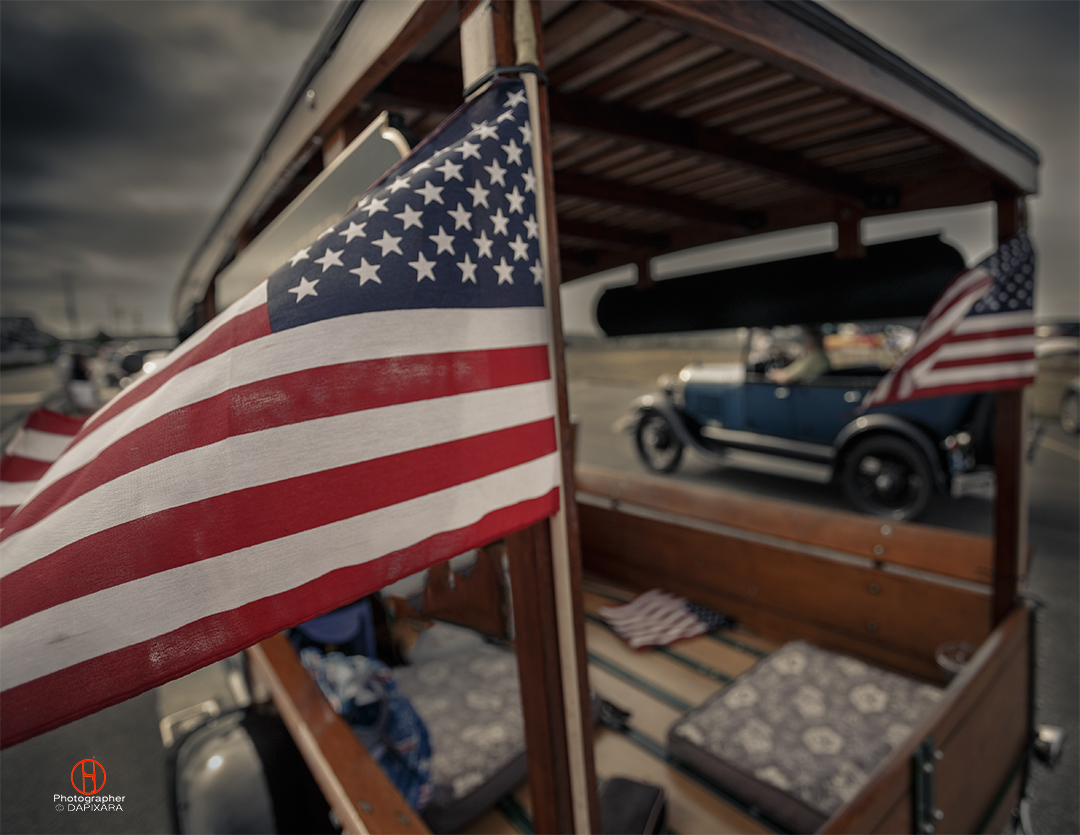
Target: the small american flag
(658, 618)
(40, 440)
(381, 403)
(978, 337)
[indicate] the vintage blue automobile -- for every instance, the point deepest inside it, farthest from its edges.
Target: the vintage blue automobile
(889, 461)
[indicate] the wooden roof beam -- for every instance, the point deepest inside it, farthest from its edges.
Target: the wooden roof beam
(414, 84)
(816, 46)
(696, 211)
(661, 131)
(614, 239)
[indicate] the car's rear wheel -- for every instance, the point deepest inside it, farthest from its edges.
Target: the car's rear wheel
(658, 444)
(887, 476)
(1070, 413)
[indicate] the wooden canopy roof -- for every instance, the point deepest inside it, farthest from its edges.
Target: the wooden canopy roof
(677, 124)
(673, 124)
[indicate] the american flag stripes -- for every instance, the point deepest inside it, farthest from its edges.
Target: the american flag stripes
(978, 337)
(39, 441)
(658, 618)
(382, 402)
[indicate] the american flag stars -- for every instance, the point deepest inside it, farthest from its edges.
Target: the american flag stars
(460, 211)
(304, 288)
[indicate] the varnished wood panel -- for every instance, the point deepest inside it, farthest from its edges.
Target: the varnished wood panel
(477, 601)
(884, 610)
(949, 553)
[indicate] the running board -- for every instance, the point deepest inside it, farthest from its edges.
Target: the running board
(753, 442)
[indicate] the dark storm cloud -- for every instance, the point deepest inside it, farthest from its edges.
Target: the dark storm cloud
(66, 80)
(124, 127)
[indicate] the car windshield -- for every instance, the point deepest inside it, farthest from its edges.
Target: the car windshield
(848, 346)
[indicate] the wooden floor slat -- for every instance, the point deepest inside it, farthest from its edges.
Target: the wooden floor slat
(648, 715)
(654, 668)
(691, 807)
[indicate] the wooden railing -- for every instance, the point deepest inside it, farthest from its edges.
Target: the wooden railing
(361, 795)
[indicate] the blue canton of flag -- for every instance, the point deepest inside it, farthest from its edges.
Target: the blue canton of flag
(1013, 291)
(452, 226)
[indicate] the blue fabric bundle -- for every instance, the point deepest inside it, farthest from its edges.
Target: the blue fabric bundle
(362, 691)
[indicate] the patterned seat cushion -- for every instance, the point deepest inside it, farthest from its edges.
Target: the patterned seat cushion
(800, 733)
(471, 703)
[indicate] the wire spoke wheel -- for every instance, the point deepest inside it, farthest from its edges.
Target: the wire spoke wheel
(887, 476)
(658, 444)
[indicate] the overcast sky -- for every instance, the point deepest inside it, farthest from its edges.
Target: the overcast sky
(125, 126)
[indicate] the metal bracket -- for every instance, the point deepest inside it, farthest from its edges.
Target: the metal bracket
(924, 770)
(498, 72)
(1049, 740)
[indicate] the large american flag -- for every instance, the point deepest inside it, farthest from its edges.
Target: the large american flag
(978, 337)
(382, 402)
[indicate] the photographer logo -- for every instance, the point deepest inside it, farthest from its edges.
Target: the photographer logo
(88, 779)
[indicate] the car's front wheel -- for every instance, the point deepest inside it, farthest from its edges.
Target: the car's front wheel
(887, 476)
(658, 444)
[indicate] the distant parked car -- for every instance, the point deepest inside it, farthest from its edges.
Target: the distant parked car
(889, 461)
(150, 362)
(1070, 407)
(129, 359)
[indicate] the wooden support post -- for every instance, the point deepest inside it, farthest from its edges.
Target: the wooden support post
(644, 274)
(545, 560)
(537, 646)
(849, 245)
(1010, 461)
(333, 145)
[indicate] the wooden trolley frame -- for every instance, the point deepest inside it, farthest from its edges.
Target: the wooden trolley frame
(665, 125)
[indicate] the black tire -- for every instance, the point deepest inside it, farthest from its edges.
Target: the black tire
(1070, 413)
(657, 443)
(887, 476)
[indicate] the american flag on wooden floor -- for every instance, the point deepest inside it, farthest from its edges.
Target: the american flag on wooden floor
(658, 618)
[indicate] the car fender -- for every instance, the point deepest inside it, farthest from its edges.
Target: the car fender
(657, 401)
(880, 423)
